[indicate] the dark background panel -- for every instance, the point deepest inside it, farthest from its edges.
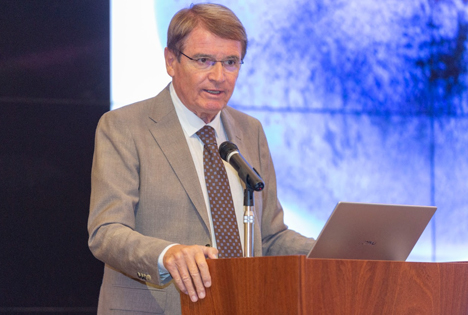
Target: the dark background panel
(45, 196)
(54, 49)
(54, 86)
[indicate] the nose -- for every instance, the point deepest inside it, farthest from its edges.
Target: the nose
(216, 72)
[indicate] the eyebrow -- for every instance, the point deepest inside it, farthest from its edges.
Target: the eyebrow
(212, 57)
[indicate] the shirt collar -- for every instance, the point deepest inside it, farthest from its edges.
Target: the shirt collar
(190, 122)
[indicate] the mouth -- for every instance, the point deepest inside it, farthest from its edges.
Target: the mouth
(213, 92)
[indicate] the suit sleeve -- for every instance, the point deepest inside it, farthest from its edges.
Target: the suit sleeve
(277, 239)
(114, 200)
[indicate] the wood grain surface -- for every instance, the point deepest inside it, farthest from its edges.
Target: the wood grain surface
(297, 285)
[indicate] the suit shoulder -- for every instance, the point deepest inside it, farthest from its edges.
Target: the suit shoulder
(142, 108)
(131, 109)
(242, 117)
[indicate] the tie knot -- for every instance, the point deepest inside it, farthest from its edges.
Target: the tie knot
(207, 135)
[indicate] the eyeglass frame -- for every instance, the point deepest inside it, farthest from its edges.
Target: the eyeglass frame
(241, 62)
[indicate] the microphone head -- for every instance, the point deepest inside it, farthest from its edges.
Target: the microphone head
(227, 148)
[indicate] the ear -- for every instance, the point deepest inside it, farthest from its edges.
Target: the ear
(171, 59)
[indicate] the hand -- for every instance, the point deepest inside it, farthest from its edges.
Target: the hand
(187, 266)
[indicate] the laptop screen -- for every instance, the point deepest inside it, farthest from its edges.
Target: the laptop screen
(371, 231)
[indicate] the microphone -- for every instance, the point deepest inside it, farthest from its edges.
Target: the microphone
(230, 153)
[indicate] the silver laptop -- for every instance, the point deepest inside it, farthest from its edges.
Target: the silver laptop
(371, 231)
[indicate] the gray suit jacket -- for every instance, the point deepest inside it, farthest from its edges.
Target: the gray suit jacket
(146, 195)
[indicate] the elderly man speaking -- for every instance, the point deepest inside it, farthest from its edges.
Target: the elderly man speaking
(162, 198)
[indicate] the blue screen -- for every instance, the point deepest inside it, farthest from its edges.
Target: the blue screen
(361, 100)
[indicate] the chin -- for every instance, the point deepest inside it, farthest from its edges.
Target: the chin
(216, 107)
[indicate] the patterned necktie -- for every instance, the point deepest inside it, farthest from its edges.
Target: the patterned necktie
(219, 194)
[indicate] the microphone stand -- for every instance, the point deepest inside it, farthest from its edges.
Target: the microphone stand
(249, 218)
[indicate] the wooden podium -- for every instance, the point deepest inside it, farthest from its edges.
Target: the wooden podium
(298, 285)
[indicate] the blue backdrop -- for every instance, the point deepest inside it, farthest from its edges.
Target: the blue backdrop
(361, 101)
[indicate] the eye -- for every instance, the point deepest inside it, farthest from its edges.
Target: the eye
(230, 62)
(203, 61)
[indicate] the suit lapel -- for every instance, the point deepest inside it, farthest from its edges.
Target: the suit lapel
(165, 127)
(232, 129)
(236, 133)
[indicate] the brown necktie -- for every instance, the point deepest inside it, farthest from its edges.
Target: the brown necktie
(219, 194)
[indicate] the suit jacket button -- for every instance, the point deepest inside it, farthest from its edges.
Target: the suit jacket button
(208, 245)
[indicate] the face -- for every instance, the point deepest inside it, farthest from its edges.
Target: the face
(204, 92)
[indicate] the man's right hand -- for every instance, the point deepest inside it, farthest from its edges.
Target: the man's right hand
(187, 266)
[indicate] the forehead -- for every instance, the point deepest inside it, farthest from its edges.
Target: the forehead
(200, 40)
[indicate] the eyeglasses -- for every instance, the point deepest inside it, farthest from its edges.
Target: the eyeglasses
(205, 63)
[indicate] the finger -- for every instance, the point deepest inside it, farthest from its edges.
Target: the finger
(203, 266)
(210, 252)
(197, 281)
(184, 264)
(172, 267)
(195, 262)
(187, 281)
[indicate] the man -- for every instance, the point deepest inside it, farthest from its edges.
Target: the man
(150, 220)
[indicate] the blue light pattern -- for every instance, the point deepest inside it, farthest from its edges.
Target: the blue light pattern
(361, 101)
